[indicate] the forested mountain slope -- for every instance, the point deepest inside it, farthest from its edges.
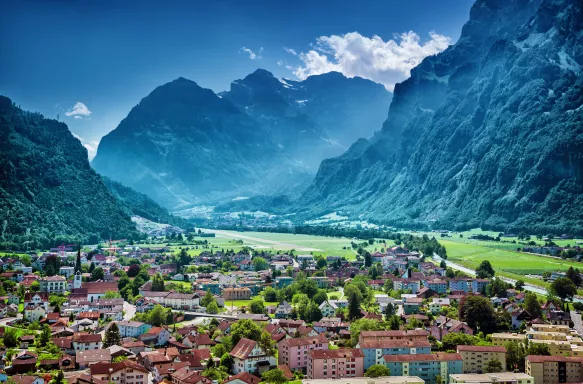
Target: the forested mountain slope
(487, 133)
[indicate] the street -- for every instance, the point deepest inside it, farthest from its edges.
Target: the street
(129, 309)
(577, 325)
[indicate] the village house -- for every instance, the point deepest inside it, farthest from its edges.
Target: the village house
(53, 284)
(86, 342)
(124, 372)
(132, 328)
(248, 356)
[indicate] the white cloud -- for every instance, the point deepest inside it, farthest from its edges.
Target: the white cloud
(290, 50)
(79, 110)
(279, 62)
(385, 62)
(252, 55)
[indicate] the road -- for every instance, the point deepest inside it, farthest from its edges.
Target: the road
(129, 309)
(577, 325)
(527, 287)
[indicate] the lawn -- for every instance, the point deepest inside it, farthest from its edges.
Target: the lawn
(512, 264)
(246, 303)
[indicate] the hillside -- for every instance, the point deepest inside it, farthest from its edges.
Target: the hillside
(138, 204)
(486, 134)
(48, 191)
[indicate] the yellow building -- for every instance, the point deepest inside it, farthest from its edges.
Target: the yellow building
(556, 348)
(551, 328)
(554, 369)
(476, 357)
(498, 378)
(534, 335)
(500, 339)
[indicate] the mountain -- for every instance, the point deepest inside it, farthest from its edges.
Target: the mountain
(486, 134)
(48, 191)
(325, 113)
(138, 204)
(184, 145)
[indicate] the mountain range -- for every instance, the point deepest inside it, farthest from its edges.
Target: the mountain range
(184, 145)
(488, 133)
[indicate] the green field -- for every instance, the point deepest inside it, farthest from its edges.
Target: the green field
(512, 264)
(246, 303)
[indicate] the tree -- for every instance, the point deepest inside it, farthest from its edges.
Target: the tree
(485, 270)
(478, 313)
(388, 286)
(111, 295)
(257, 306)
(60, 378)
(453, 339)
(158, 283)
(515, 354)
(574, 276)
(394, 322)
(212, 308)
(312, 313)
(227, 361)
(519, 285)
(156, 316)
(321, 262)
(538, 349)
(377, 370)
(245, 328)
(97, 274)
(259, 264)
(133, 270)
(320, 297)
(45, 336)
(360, 325)
(493, 366)
(274, 376)
(564, 288)
(532, 305)
(10, 339)
(35, 286)
(207, 299)
(389, 310)
(112, 336)
(270, 294)
(354, 297)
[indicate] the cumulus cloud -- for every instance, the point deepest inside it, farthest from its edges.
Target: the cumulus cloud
(79, 111)
(291, 51)
(385, 62)
(252, 55)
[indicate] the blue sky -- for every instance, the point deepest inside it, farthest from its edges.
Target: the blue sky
(92, 61)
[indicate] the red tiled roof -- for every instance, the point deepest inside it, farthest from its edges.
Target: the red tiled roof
(378, 344)
(320, 339)
(553, 359)
(86, 338)
(102, 368)
(245, 377)
(243, 348)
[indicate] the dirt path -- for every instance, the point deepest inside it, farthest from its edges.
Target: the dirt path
(275, 244)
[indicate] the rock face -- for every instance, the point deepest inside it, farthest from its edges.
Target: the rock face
(487, 133)
(184, 144)
(48, 191)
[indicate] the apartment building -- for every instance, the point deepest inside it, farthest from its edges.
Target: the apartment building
(554, 369)
(236, 294)
(335, 364)
(294, 352)
(53, 284)
(492, 378)
(500, 339)
(248, 356)
(132, 328)
(428, 366)
(476, 357)
(411, 335)
(85, 342)
(374, 351)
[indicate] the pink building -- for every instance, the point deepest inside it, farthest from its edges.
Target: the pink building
(335, 363)
(294, 352)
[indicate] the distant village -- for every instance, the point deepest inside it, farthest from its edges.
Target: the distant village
(127, 314)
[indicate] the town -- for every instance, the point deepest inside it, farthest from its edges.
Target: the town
(140, 314)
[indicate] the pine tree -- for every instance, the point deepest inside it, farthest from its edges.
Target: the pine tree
(112, 336)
